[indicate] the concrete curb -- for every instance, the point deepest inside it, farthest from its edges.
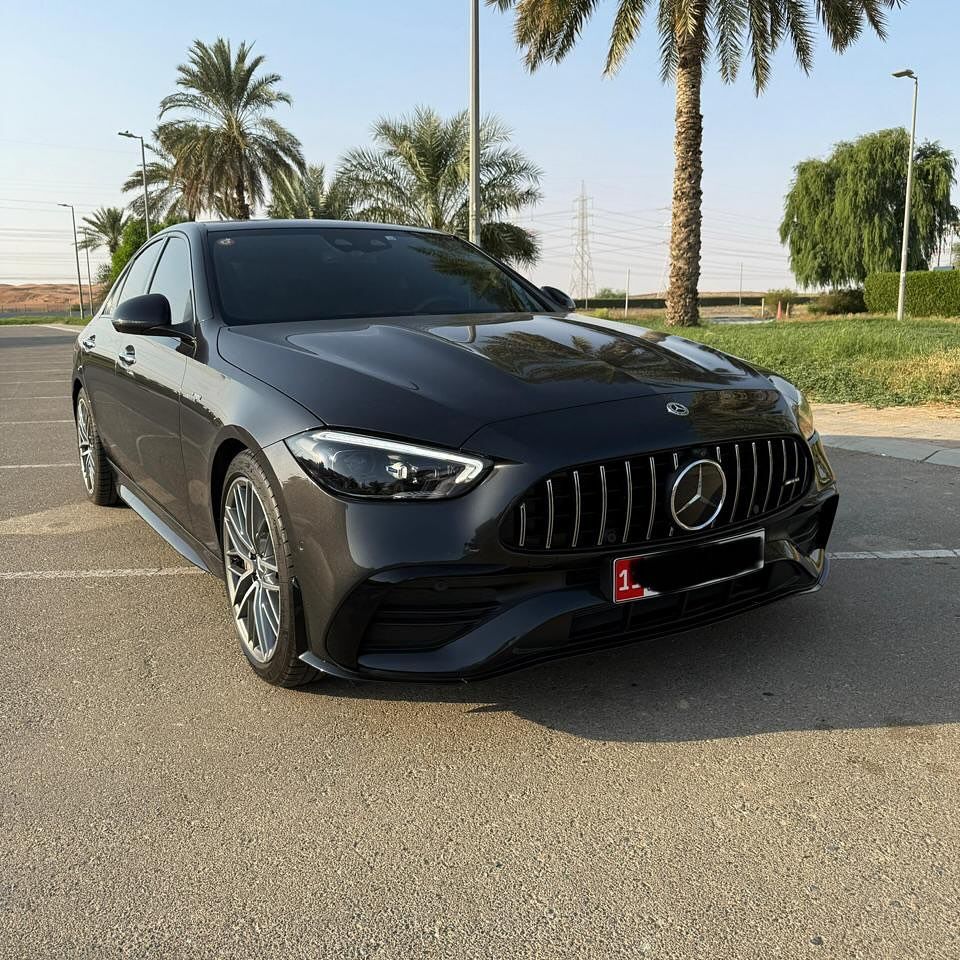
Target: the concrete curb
(919, 451)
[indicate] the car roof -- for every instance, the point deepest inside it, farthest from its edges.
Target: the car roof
(216, 226)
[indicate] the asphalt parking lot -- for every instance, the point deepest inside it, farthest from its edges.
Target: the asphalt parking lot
(783, 785)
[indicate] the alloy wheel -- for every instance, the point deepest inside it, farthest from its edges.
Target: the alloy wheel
(250, 562)
(85, 429)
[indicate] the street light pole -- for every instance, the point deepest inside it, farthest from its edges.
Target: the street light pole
(902, 296)
(76, 253)
(474, 121)
(86, 251)
(143, 173)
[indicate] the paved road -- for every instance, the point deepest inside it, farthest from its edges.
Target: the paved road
(785, 785)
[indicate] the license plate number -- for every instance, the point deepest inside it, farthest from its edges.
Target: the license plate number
(669, 571)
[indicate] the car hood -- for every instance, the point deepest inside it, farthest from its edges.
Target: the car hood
(440, 379)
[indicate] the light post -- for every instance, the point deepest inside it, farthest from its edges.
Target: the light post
(901, 298)
(86, 253)
(474, 203)
(143, 171)
(76, 253)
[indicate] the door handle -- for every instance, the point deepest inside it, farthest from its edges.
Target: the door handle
(128, 357)
(88, 343)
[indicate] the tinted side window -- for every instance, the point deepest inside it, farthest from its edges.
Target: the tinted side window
(113, 298)
(172, 279)
(138, 276)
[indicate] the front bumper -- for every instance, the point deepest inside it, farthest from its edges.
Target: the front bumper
(427, 591)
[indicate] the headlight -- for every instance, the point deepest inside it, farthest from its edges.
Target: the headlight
(360, 466)
(804, 414)
(801, 405)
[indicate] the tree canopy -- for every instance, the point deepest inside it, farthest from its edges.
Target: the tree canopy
(418, 174)
(843, 216)
(133, 237)
(174, 189)
(690, 32)
(223, 141)
(103, 228)
(310, 196)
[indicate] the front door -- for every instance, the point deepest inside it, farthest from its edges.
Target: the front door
(149, 375)
(101, 345)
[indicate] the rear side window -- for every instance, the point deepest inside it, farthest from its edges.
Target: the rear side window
(110, 304)
(173, 280)
(138, 276)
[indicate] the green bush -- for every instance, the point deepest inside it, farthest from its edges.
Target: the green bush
(134, 236)
(930, 293)
(839, 302)
(786, 296)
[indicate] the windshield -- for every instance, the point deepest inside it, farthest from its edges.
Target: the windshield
(331, 273)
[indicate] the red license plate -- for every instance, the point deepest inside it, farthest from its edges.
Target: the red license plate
(685, 568)
(626, 573)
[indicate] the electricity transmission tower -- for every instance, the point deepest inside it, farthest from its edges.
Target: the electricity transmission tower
(581, 279)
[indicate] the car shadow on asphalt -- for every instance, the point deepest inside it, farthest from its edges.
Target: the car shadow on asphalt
(878, 647)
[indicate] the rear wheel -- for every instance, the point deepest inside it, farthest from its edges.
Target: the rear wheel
(95, 469)
(258, 569)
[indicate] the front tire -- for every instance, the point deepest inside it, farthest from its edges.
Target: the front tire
(95, 470)
(258, 570)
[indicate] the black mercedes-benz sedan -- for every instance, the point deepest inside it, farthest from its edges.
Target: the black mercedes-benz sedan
(407, 462)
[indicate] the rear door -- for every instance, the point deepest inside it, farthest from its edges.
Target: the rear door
(150, 371)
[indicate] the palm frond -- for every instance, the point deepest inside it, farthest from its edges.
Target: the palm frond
(103, 228)
(219, 134)
(626, 27)
(417, 173)
(548, 29)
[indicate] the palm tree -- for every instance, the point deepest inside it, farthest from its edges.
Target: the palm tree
(173, 190)
(224, 144)
(690, 30)
(418, 174)
(310, 197)
(103, 229)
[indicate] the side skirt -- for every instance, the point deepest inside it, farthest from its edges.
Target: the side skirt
(178, 538)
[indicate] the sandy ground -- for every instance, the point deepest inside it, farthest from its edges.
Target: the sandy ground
(930, 422)
(34, 297)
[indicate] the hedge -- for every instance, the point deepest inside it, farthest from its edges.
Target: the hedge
(707, 300)
(930, 293)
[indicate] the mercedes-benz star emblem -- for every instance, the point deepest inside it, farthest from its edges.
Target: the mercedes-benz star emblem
(698, 494)
(677, 409)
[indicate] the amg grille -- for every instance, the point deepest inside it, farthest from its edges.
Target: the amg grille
(627, 501)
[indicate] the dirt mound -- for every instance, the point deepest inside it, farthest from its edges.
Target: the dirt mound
(34, 297)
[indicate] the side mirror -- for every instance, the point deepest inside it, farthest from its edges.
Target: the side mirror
(560, 298)
(147, 314)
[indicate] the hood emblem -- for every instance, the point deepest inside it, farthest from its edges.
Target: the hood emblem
(698, 494)
(677, 409)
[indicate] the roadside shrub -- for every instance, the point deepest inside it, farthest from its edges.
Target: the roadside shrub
(786, 296)
(134, 236)
(930, 293)
(839, 302)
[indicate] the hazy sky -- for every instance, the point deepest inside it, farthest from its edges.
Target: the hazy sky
(76, 74)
